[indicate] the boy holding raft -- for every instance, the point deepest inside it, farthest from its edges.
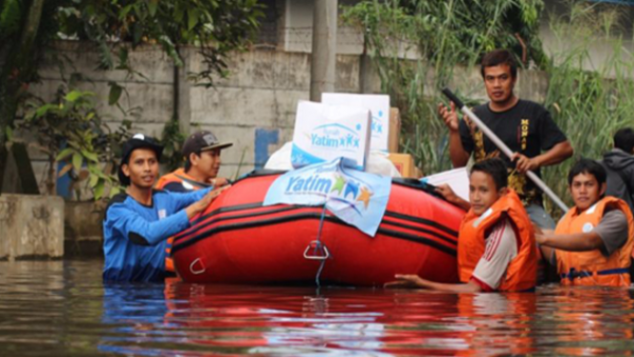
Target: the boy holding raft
(496, 243)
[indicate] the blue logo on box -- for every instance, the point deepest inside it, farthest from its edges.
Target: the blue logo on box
(335, 136)
(377, 127)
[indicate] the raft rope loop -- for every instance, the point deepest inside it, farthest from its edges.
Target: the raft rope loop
(318, 245)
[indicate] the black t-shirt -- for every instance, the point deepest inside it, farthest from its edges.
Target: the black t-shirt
(526, 128)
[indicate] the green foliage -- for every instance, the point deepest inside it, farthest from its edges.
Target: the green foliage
(172, 142)
(216, 26)
(10, 17)
(445, 36)
(72, 121)
(589, 103)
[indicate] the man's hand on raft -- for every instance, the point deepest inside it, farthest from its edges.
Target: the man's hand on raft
(197, 207)
(445, 191)
(407, 281)
(219, 181)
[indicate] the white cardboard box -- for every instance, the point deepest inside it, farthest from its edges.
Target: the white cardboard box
(379, 106)
(325, 132)
(457, 179)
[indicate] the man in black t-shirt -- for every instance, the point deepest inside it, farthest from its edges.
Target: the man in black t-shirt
(524, 126)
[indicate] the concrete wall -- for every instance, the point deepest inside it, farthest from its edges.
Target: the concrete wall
(559, 42)
(31, 226)
(83, 234)
(295, 20)
(254, 108)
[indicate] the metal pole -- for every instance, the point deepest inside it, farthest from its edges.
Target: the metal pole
(502, 146)
(322, 71)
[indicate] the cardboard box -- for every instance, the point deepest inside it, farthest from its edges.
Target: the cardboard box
(457, 179)
(325, 132)
(418, 173)
(404, 163)
(394, 133)
(379, 106)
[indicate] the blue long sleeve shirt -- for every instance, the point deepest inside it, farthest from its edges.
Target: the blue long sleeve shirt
(135, 235)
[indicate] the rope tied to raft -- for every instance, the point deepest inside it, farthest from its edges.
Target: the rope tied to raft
(316, 250)
(318, 246)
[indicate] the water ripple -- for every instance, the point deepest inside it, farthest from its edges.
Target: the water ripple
(61, 308)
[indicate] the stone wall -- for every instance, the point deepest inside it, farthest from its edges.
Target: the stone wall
(254, 107)
(83, 234)
(31, 227)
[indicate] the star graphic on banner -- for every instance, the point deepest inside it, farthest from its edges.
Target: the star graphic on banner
(352, 188)
(365, 196)
(339, 183)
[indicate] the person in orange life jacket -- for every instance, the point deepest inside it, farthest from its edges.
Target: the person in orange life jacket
(202, 162)
(592, 243)
(138, 222)
(496, 243)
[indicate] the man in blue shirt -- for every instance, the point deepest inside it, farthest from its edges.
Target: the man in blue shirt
(138, 222)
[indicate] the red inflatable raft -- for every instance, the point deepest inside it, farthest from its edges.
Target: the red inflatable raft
(239, 241)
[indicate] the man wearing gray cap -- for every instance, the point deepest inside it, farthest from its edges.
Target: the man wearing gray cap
(202, 162)
(202, 154)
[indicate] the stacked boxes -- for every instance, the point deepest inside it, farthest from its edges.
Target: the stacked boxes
(379, 107)
(349, 125)
(404, 163)
(325, 132)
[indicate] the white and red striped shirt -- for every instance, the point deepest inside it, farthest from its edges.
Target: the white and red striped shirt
(501, 248)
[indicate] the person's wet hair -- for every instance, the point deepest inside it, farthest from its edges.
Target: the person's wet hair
(496, 168)
(588, 166)
(624, 140)
(499, 57)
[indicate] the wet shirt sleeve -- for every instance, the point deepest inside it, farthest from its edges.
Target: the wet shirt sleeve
(183, 200)
(613, 231)
(501, 248)
(548, 131)
(175, 187)
(141, 231)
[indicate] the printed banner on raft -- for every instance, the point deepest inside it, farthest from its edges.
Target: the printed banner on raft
(356, 197)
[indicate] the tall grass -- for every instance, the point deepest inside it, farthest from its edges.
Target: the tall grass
(589, 98)
(589, 101)
(439, 38)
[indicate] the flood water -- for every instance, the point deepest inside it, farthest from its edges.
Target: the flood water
(61, 308)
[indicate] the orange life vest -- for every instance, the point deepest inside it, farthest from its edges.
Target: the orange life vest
(521, 274)
(179, 176)
(592, 267)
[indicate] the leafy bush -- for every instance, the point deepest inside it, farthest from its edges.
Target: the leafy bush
(71, 130)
